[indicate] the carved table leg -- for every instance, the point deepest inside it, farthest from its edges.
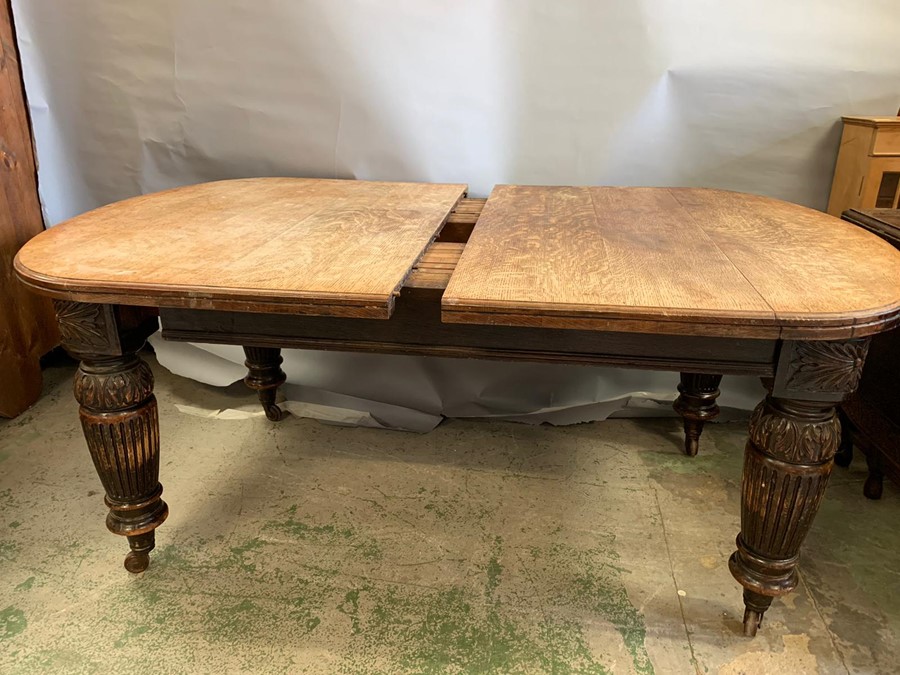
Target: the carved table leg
(696, 404)
(265, 376)
(119, 417)
(794, 434)
(786, 466)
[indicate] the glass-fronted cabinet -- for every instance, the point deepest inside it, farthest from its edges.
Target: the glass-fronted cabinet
(867, 173)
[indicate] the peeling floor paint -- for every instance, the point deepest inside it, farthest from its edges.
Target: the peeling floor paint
(478, 548)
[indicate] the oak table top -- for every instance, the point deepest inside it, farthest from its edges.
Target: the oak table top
(671, 260)
(650, 260)
(331, 247)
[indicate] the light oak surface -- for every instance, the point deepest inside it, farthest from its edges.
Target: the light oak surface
(873, 121)
(330, 247)
(435, 267)
(661, 260)
(651, 260)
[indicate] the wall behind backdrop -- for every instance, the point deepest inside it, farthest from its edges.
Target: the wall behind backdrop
(131, 97)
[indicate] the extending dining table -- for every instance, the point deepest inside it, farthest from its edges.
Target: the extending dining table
(698, 281)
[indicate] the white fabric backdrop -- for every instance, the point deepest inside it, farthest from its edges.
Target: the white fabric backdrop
(129, 97)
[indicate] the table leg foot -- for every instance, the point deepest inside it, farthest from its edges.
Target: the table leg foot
(755, 606)
(264, 374)
(787, 462)
(138, 559)
(696, 403)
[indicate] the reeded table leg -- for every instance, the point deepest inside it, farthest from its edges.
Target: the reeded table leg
(696, 404)
(787, 462)
(119, 417)
(794, 434)
(265, 376)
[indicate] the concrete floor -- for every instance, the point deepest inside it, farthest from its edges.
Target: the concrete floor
(478, 548)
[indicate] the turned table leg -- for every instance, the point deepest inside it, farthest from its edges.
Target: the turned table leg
(844, 455)
(696, 403)
(264, 374)
(874, 485)
(794, 434)
(118, 411)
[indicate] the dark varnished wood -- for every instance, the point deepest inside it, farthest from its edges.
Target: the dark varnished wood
(872, 415)
(265, 376)
(118, 411)
(416, 328)
(696, 403)
(876, 433)
(787, 461)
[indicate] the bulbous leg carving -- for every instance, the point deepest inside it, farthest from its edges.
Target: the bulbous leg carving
(787, 462)
(265, 376)
(120, 422)
(696, 403)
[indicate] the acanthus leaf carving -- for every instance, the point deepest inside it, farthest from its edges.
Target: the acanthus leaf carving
(794, 440)
(86, 327)
(115, 389)
(827, 366)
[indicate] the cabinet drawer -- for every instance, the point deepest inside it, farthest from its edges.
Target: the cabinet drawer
(887, 142)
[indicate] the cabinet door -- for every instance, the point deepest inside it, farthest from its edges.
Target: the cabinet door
(881, 186)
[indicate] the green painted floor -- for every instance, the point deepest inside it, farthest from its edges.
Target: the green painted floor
(478, 548)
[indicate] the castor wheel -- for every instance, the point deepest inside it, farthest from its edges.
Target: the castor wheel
(137, 561)
(752, 622)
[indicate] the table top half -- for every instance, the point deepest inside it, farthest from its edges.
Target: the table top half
(651, 260)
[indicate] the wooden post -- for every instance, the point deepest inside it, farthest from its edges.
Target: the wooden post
(27, 327)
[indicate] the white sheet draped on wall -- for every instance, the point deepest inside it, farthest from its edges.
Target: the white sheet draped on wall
(131, 97)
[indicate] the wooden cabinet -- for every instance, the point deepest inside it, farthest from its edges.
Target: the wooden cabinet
(867, 174)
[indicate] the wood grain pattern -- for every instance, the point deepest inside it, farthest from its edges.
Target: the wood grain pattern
(27, 328)
(461, 221)
(435, 267)
(815, 271)
(851, 168)
(673, 261)
(330, 247)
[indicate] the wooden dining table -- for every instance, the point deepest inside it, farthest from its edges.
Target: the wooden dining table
(698, 281)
